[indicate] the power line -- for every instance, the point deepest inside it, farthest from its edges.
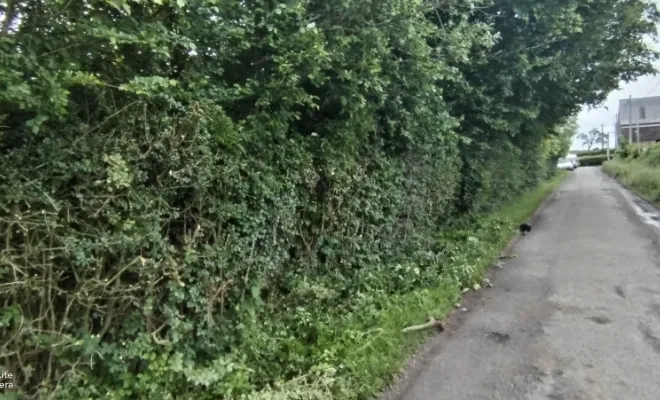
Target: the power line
(654, 87)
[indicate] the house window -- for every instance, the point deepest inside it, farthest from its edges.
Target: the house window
(642, 113)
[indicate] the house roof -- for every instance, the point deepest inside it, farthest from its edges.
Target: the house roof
(645, 110)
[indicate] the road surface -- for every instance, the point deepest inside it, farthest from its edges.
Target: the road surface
(576, 316)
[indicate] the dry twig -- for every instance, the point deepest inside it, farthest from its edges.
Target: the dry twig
(432, 323)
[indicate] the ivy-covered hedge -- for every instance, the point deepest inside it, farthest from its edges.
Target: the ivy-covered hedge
(190, 190)
(592, 160)
(588, 153)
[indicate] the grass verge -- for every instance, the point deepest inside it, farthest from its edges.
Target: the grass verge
(520, 210)
(639, 171)
(365, 349)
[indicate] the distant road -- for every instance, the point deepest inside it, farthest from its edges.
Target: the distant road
(576, 316)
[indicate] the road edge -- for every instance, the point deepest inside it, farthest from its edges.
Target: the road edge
(507, 251)
(433, 345)
(632, 191)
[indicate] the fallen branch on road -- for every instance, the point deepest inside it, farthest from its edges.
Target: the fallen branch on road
(432, 323)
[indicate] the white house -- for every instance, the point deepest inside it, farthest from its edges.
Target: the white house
(643, 113)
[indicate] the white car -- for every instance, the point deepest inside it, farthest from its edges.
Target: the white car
(566, 164)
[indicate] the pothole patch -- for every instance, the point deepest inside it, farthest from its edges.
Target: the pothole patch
(499, 337)
(600, 319)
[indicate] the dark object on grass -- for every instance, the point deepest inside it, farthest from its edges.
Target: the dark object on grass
(525, 228)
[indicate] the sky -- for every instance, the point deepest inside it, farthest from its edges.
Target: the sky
(647, 85)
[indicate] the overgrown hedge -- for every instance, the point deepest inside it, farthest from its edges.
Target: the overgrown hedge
(592, 160)
(588, 153)
(193, 192)
(639, 170)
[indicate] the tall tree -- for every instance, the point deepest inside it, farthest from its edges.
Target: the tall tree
(593, 137)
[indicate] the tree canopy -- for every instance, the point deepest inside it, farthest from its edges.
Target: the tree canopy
(593, 137)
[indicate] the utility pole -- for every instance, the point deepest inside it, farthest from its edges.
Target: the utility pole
(637, 132)
(602, 132)
(630, 138)
(617, 128)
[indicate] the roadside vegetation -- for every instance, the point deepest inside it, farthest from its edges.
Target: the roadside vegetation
(592, 157)
(638, 169)
(371, 342)
(589, 153)
(248, 200)
(586, 161)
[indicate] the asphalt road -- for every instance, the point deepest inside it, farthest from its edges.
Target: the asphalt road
(576, 316)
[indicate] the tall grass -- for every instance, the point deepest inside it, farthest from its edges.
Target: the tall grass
(638, 170)
(521, 209)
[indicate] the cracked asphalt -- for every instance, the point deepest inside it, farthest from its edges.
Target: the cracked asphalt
(575, 316)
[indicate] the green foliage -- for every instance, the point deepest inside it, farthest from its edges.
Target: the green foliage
(592, 160)
(523, 207)
(195, 195)
(370, 342)
(640, 171)
(563, 137)
(625, 149)
(598, 152)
